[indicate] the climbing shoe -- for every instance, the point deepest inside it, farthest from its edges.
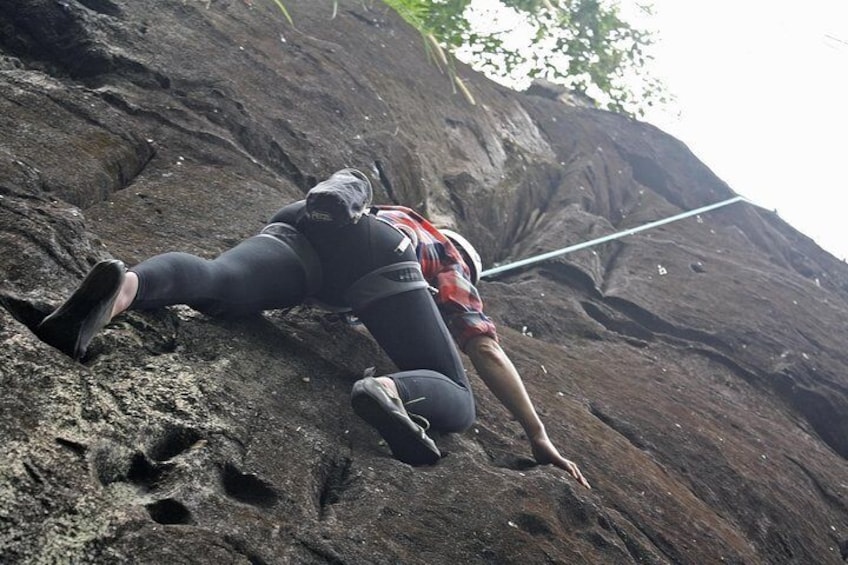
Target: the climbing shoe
(408, 441)
(72, 326)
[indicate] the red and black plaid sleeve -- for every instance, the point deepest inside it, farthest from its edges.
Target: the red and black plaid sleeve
(458, 300)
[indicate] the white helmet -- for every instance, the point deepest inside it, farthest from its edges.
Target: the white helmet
(472, 258)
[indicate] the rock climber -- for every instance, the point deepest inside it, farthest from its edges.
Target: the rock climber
(412, 286)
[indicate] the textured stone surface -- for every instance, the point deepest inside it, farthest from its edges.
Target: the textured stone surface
(696, 372)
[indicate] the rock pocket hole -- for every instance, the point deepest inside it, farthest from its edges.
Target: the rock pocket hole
(697, 267)
(248, 488)
(173, 442)
(168, 511)
(534, 525)
(76, 447)
(513, 462)
(144, 473)
(336, 479)
(25, 312)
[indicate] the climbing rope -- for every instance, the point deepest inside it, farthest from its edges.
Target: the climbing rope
(551, 254)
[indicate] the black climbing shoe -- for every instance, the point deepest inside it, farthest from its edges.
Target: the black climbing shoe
(408, 441)
(72, 326)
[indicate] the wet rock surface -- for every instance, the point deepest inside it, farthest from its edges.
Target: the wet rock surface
(696, 372)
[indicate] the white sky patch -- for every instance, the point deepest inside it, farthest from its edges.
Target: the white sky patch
(761, 90)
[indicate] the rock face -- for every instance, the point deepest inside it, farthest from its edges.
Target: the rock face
(696, 372)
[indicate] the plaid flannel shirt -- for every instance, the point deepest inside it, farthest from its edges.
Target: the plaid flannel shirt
(457, 299)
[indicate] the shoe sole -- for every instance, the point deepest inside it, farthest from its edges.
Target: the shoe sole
(72, 326)
(405, 438)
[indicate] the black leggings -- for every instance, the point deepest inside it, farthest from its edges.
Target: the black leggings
(432, 380)
(260, 273)
(266, 272)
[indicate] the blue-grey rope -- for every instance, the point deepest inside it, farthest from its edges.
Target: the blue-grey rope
(551, 254)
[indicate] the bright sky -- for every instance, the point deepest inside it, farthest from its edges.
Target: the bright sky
(762, 96)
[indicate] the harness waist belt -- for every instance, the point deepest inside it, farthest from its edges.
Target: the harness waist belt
(384, 282)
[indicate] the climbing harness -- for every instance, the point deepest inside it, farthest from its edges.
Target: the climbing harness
(384, 282)
(551, 254)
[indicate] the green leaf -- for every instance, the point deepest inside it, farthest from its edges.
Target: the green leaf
(285, 12)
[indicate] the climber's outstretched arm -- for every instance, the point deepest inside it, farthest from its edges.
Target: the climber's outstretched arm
(502, 378)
